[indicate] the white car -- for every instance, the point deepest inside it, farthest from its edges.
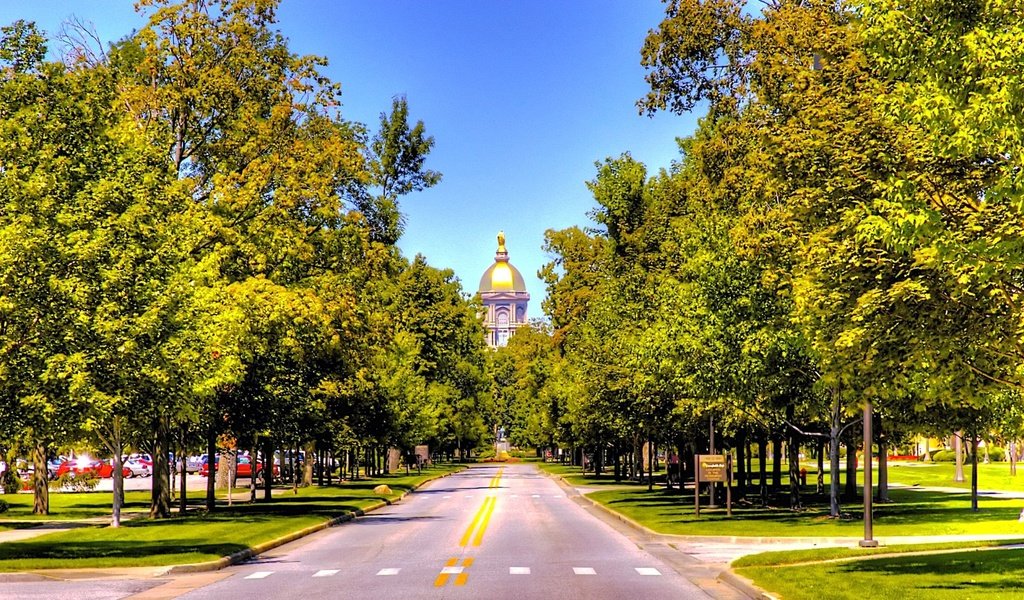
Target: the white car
(137, 467)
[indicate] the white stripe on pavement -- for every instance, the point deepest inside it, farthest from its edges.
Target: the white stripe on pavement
(325, 573)
(519, 570)
(259, 575)
(647, 571)
(451, 570)
(389, 571)
(584, 571)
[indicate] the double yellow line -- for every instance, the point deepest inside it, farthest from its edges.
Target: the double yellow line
(477, 525)
(483, 515)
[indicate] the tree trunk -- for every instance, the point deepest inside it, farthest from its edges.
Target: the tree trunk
(793, 446)
(224, 463)
(160, 506)
(820, 487)
(958, 474)
(850, 492)
(741, 470)
(40, 489)
(882, 495)
(117, 475)
(307, 471)
(1013, 458)
(762, 459)
(211, 482)
(833, 458)
(974, 471)
(183, 485)
(268, 469)
(777, 464)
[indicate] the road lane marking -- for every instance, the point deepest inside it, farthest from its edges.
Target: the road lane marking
(476, 520)
(443, 577)
(647, 571)
(536, 495)
(259, 575)
(584, 571)
(486, 520)
(389, 571)
(519, 570)
(325, 573)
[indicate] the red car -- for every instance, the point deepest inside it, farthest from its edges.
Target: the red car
(80, 466)
(243, 468)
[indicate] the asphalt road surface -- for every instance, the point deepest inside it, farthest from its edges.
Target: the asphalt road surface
(501, 531)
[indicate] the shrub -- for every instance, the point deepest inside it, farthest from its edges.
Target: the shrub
(86, 482)
(3, 506)
(944, 456)
(995, 453)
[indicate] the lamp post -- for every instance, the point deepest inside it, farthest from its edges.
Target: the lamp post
(868, 541)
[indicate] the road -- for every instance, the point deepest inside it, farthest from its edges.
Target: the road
(487, 532)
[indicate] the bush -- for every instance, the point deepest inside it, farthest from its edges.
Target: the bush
(11, 483)
(3, 506)
(944, 456)
(86, 482)
(995, 453)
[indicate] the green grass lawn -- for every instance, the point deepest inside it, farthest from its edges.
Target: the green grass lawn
(993, 476)
(198, 537)
(960, 576)
(910, 513)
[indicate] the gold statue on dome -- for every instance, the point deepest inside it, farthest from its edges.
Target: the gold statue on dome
(501, 241)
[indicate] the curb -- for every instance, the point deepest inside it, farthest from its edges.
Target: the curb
(244, 555)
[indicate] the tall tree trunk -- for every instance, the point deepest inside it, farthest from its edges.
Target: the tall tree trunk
(741, 470)
(776, 463)
(850, 492)
(307, 472)
(618, 461)
(211, 477)
(268, 469)
(820, 487)
(882, 495)
(1013, 458)
(762, 458)
(974, 470)
(160, 506)
(958, 447)
(183, 485)
(40, 488)
(117, 474)
(793, 447)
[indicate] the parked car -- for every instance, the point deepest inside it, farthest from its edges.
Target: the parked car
(194, 463)
(137, 468)
(84, 464)
(243, 468)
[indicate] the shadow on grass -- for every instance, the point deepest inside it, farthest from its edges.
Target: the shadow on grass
(907, 508)
(992, 571)
(113, 549)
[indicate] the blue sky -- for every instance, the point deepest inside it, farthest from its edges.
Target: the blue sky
(521, 97)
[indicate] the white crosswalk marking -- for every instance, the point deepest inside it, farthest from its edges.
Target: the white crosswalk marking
(536, 495)
(325, 573)
(451, 570)
(647, 571)
(584, 571)
(519, 570)
(389, 571)
(259, 575)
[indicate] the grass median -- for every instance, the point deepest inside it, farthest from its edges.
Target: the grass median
(200, 536)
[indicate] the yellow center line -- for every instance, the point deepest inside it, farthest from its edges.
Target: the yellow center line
(483, 524)
(476, 519)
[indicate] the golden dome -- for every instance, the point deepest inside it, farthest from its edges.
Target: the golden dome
(502, 276)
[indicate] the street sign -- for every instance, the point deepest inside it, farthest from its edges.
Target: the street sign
(712, 468)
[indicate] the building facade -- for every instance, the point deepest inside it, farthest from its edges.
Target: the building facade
(504, 296)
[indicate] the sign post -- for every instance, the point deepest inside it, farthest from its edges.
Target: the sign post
(711, 468)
